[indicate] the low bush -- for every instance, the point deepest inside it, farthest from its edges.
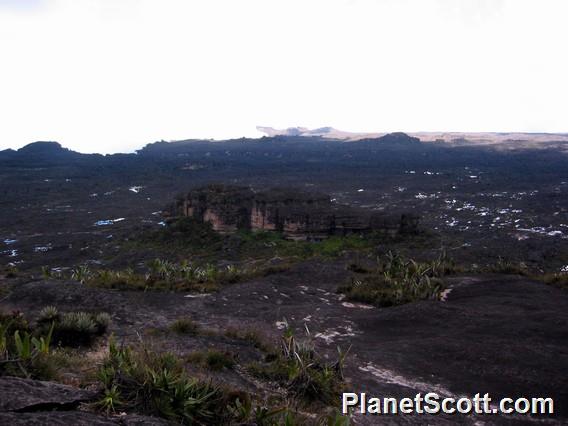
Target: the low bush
(73, 329)
(212, 359)
(184, 326)
(559, 280)
(304, 374)
(11, 271)
(503, 266)
(23, 351)
(397, 281)
(157, 384)
(251, 336)
(163, 275)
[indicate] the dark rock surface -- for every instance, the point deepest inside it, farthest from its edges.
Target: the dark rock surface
(504, 335)
(18, 394)
(76, 418)
(35, 402)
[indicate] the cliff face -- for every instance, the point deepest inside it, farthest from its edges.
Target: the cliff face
(297, 215)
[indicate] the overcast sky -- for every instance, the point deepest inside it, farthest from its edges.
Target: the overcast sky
(113, 75)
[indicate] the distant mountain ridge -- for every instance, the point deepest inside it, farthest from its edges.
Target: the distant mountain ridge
(41, 152)
(46, 151)
(43, 147)
(456, 138)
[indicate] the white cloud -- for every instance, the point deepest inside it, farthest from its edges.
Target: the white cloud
(112, 75)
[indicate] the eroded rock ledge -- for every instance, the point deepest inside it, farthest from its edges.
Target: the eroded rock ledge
(297, 215)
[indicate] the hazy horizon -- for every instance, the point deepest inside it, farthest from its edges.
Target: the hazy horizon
(113, 75)
(262, 134)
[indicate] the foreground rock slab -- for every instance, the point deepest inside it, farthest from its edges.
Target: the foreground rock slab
(35, 402)
(18, 394)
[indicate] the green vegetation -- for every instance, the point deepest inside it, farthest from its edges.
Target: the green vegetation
(73, 329)
(212, 359)
(251, 336)
(136, 379)
(24, 352)
(157, 384)
(197, 240)
(304, 374)
(10, 271)
(559, 280)
(163, 275)
(184, 326)
(503, 266)
(142, 381)
(186, 233)
(397, 280)
(80, 273)
(4, 291)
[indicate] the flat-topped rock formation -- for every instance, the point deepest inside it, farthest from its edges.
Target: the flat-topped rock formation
(297, 215)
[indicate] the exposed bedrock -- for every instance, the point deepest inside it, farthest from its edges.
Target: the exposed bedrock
(297, 215)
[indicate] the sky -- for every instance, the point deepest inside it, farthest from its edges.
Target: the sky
(113, 75)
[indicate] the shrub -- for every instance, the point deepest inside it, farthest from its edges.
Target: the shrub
(22, 352)
(503, 266)
(301, 371)
(397, 281)
(212, 359)
(11, 271)
(157, 384)
(163, 275)
(559, 280)
(184, 326)
(73, 328)
(251, 336)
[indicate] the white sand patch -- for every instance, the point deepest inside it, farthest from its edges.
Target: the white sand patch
(389, 376)
(329, 335)
(444, 295)
(356, 305)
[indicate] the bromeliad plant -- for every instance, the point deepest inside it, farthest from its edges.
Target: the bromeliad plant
(397, 280)
(23, 353)
(299, 368)
(157, 384)
(73, 328)
(169, 276)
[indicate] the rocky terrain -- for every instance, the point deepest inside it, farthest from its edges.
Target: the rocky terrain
(92, 234)
(499, 334)
(297, 215)
(482, 203)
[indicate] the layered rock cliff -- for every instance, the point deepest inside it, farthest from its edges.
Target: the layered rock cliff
(297, 215)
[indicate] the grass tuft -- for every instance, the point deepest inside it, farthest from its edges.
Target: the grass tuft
(185, 326)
